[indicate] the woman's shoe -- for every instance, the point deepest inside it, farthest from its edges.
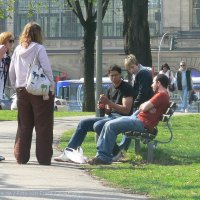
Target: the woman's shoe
(2, 158)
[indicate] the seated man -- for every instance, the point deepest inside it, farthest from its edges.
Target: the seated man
(118, 102)
(142, 81)
(149, 115)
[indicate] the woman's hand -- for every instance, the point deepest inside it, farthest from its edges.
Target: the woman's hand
(3, 50)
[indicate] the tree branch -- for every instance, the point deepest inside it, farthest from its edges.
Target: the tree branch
(80, 13)
(105, 6)
(76, 9)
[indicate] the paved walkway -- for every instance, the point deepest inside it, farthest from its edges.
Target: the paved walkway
(58, 181)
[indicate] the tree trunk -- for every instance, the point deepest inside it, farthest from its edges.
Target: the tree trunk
(136, 30)
(89, 27)
(89, 43)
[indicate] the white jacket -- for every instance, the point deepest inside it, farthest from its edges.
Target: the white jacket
(21, 59)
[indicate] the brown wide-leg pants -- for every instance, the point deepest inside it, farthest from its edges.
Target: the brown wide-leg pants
(33, 111)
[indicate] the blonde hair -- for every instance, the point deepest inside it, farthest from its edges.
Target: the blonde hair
(32, 32)
(5, 36)
(129, 61)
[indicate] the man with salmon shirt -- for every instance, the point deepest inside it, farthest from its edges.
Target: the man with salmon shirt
(147, 117)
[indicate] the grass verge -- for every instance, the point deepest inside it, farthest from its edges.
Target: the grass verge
(176, 169)
(12, 114)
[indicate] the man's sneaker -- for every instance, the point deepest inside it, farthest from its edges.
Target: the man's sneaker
(97, 161)
(62, 158)
(186, 110)
(118, 157)
(2, 158)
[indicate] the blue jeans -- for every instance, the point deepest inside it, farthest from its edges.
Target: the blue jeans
(184, 98)
(110, 131)
(94, 124)
(126, 141)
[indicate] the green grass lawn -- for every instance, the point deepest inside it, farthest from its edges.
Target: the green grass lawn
(175, 173)
(12, 114)
(176, 169)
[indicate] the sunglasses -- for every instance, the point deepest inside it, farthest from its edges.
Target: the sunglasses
(11, 41)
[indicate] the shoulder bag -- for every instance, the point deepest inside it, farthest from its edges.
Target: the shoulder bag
(171, 83)
(37, 82)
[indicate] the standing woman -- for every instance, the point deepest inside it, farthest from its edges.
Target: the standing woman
(33, 111)
(6, 42)
(165, 69)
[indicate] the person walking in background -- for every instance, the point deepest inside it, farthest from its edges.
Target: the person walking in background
(118, 102)
(33, 111)
(184, 85)
(6, 42)
(165, 69)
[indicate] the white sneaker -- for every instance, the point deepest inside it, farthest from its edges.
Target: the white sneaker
(186, 110)
(62, 158)
(117, 157)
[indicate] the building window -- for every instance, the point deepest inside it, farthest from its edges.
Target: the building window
(154, 17)
(55, 19)
(58, 21)
(196, 14)
(2, 25)
(2, 20)
(113, 20)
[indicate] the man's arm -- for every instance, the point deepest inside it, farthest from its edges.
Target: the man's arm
(146, 106)
(124, 109)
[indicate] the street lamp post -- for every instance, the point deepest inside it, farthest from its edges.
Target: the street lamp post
(99, 53)
(159, 50)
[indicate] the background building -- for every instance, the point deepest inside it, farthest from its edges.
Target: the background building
(63, 32)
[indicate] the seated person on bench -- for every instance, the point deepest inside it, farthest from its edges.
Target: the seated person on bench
(119, 100)
(149, 115)
(142, 81)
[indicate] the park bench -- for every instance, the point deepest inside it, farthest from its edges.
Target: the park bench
(149, 138)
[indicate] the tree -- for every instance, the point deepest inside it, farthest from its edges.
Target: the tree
(136, 30)
(87, 18)
(6, 8)
(88, 23)
(136, 35)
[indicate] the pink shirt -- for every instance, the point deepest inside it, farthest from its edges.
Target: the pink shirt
(21, 59)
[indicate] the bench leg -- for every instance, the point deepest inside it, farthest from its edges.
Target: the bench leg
(150, 154)
(137, 145)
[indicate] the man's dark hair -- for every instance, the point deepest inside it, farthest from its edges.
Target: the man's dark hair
(163, 79)
(114, 68)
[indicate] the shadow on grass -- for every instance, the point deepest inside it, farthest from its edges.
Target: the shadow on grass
(162, 157)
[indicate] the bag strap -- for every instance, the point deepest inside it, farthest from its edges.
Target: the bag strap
(35, 56)
(33, 62)
(170, 75)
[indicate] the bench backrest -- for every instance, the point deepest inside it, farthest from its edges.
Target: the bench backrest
(170, 111)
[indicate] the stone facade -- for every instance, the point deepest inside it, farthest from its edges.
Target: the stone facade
(70, 61)
(66, 55)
